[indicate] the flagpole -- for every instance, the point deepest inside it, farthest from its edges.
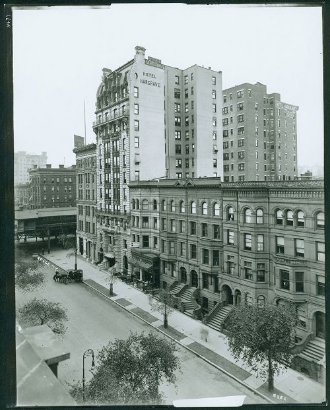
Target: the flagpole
(85, 121)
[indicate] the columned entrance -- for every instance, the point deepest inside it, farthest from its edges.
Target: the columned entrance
(320, 325)
(194, 279)
(227, 295)
(183, 275)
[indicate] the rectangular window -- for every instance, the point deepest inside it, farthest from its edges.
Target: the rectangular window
(230, 265)
(186, 122)
(248, 270)
(261, 272)
(136, 109)
(205, 285)
(172, 248)
(178, 163)
(136, 125)
(247, 241)
(137, 175)
(186, 79)
(284, 279)
(260, 243)
(193, 251)
(155, 223)
(177, 107)
(186, 107)
(216, 232)
(155, 242)
(192, 228)
(178, 149)
(230, 237)
(204, 230)
(164, 224)
(182, 226)
(177, 135)
(240, 94)
(186, 93)
(205, 255)
(145, 241)
(320, 251)
(136, 91)
(240, 106)
(177, 121)
(177, 79)
(214, 108)
(279, 244)
(241, 167)
(320, 285)
(225, 121)
(177, 93)
(172, 224)
(299, 248)
(299, 276)
(136, 142)
(145, 222)
(241, 154)
(240, 118)
(216, 260)
(214, 81)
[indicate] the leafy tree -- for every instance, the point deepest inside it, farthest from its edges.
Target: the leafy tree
(42, 311)
(262, 337)
(165, 305)
(66, 241)
(130, 371)
(28, 276)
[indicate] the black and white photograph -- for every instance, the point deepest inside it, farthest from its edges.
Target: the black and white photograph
(169, 217)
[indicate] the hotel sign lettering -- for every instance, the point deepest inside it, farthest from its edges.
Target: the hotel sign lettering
(154, 62)
(149, 82)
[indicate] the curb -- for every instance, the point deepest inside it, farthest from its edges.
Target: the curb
(187, 347)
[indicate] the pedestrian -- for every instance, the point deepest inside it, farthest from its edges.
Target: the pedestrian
(204, 334)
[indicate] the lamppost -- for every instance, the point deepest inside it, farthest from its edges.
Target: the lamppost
(75, 257)
(87, 353)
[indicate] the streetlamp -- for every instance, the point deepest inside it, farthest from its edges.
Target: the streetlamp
(87, 353)
(75, 258)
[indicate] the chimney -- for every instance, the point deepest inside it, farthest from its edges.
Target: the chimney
(48, 165)
(140, 50)
(61, 166)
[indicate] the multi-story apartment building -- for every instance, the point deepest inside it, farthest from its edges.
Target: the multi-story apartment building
(259, 135)
(22, 195)
(52, 187)
(23, 162)
(229, 243)
(152, 121)
(86, 201)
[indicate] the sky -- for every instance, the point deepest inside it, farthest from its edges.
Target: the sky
(59, 53)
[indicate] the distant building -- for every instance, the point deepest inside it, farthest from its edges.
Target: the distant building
(86, 201)
(23, 162)
(52, 187)
(22, 195)
(259, 135)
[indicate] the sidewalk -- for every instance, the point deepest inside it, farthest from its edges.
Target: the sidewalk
(290, 386)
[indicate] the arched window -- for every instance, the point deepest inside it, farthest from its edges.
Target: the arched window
(248, 216)
(279, 217)
(320, 220)
(193, 207)
(172, 206)
(137, 204)
(230, 213)
(204, 208)
(261, 301)
(155, 205)
(216, 209)
(300, 219)
(289, 218)
(133, 203)
(182, 207)
(260, 216)
(145, 204)
(163, 205)
(248, 299)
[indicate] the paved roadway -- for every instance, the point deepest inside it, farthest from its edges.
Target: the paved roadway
(94, 321)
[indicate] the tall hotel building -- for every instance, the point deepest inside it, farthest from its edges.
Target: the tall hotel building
(259, 135)
(152, 121)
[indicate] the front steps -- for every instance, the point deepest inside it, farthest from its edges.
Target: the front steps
(218, 319)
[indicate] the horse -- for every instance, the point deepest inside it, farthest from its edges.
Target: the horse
(60, 277)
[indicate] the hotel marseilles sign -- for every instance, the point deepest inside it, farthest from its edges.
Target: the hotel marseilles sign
(154, 62)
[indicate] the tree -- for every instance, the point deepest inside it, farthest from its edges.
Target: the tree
(165, 305)
(43, 312)
(130, 371)
(66, 241)
(262, 337)
(28, 276)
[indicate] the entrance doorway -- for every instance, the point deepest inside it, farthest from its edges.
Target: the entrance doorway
(238, 297)
(183, 275)
(81, 246)
(194, 279)
(227, 295)
(320, 325)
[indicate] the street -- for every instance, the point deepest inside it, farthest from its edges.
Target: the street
(94, 321)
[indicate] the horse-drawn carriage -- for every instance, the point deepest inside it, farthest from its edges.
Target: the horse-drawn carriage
(68, 276)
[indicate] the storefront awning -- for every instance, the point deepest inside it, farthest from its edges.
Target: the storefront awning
(139, 263)
(109, 255)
